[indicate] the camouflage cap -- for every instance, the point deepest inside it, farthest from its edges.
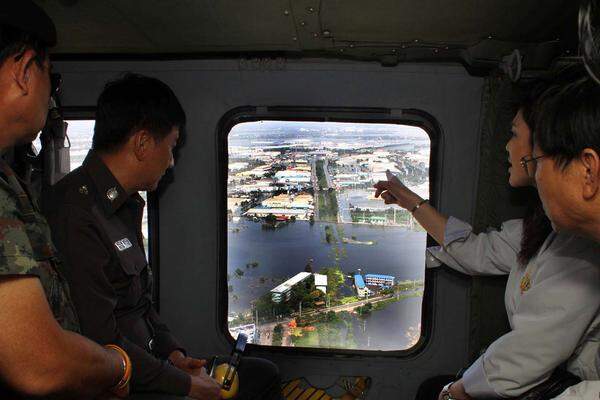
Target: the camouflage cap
(29, 17)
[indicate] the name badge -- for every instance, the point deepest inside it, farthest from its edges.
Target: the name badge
(123, 244)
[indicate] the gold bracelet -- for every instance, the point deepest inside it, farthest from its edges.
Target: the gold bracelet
(419, 204)
(127, 369)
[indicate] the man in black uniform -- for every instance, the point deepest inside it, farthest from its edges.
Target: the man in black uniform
(98, 231)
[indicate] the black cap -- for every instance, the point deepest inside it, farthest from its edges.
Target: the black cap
(29, 17)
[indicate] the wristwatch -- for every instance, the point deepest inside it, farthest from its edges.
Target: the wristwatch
(446, 392)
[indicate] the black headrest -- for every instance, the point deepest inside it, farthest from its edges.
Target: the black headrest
(29, 17)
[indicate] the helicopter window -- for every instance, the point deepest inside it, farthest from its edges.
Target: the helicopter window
(80, 133)
(313, 259)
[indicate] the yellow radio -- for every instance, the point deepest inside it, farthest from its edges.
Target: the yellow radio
(226, 373)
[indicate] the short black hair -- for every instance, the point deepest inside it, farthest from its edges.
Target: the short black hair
(25, 25)
(569, 120)
(131, 103)
(14, 41)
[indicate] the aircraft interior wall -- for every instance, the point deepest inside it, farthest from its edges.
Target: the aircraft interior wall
(188, 209)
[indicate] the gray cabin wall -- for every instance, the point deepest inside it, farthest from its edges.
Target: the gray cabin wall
(188, 208)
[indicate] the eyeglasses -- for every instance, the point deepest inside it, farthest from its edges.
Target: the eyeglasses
(55, 83)
(525, 160)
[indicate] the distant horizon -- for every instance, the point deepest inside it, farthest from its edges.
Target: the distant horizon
(325, 128)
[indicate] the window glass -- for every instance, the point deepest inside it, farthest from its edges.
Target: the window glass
(313, 259)
(80, 133)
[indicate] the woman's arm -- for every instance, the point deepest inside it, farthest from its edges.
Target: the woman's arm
(393, 191)
(493, 253)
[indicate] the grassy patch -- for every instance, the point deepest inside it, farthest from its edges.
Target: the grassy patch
(328, 206)
(349, 299)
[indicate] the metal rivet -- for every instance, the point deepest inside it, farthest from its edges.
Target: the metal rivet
(436, 51)
(286, 12)
(394, 51)
(310, 9)
(568, 51)
(446, 48)
(315, 35)
(341, 50)
(302, 23)
(416, 40)
(403, 46)
(490, 37)
(294, 38)
(351, 45)
(326, 32)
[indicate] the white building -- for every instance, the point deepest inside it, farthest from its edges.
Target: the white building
(237, 166)
(249, 330)
(379, 280)
(284, 291)
(321, 282)
(279, 212)
(292, 176)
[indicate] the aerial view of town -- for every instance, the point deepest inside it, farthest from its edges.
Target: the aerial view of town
(314, 260)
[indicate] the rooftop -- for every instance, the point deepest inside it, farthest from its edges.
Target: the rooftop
(320, 280)
(379, 276)
(358, 281)
(287, 285)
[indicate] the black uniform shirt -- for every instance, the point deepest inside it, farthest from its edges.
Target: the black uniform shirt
(97, 229)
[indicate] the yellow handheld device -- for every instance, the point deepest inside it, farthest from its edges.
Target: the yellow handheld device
(226, 374)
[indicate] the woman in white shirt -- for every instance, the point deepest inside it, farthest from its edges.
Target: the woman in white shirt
(552, 296)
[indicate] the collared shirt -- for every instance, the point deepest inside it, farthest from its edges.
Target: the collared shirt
(26, 247)
(96, 226)
(552, 303)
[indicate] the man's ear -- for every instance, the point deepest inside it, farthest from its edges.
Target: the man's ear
(22, 70)
(141, 141)
(591, 163)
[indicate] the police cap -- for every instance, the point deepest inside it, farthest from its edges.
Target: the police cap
(28, 17)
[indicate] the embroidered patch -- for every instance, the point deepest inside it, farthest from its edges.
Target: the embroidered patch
(123, 244)
(525, 283)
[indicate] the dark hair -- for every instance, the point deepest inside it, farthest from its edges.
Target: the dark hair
(589, 36)
(131, 103)
(14, 41)
(536, 228)
(536, 225)
(569, 120)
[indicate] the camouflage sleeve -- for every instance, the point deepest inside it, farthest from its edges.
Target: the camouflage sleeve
(16, 253)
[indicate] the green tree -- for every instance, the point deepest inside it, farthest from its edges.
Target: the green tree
(277, 335)
(335, 279)
(271, 219)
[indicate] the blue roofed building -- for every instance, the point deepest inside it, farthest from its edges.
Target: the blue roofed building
(379, 280)
(361, 288)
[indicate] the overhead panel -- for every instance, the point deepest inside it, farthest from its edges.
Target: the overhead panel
(174, 26)
(465, 22)
(478, 34)
(96, 25)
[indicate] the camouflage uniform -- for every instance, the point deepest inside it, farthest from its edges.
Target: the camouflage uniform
(26, 247)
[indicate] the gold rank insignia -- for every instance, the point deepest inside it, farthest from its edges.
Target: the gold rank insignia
(525, 283)
(83, 190)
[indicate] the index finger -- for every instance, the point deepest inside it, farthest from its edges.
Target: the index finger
(381, 186)
(389, 175)
(196, 363)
